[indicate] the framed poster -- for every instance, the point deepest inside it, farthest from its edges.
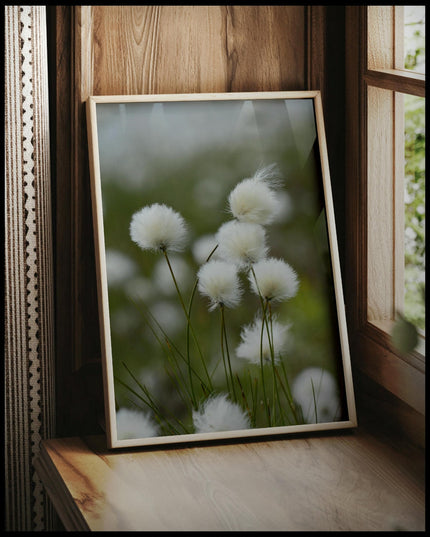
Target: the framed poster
(220, 295)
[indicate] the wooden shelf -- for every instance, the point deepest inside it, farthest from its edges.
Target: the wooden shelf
(344, 482)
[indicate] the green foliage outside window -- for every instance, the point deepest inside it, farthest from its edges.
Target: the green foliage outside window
(414, 306)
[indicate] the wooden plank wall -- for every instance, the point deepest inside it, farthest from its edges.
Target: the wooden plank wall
(107, 50)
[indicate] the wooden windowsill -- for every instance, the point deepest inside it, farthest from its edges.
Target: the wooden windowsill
(334, 482)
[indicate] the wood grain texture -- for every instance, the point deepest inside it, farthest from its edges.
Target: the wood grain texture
(380, 42)
(355, 169)
(195, 49)
(396, 80)
(342, 483)
(380, 205)
(317, 50)
(380, 363)
(59, 60)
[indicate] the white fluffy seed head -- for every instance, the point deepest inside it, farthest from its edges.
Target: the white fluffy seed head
(219, 414)
(270, 174)
(315, 390)
(133, 423)
(158, 227)
(252, 348)
(219, 281)
(255, 199)
(274, 280)
(241, 243)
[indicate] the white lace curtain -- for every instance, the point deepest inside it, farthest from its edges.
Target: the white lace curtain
(29, 329)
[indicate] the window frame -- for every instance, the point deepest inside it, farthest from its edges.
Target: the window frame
(372, 353)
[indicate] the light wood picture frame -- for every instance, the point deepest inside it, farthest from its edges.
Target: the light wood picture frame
(220, 295)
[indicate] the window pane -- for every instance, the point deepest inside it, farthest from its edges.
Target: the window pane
(414, 38)
(414, 304)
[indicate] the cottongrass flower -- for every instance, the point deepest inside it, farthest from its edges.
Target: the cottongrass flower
(253, 347)
(270, 174)
(158, 227)
(219, 414)
(219, 281)
(256, 199)
(315, 390)
(132, 423)
(274, 280)
(241, 243)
